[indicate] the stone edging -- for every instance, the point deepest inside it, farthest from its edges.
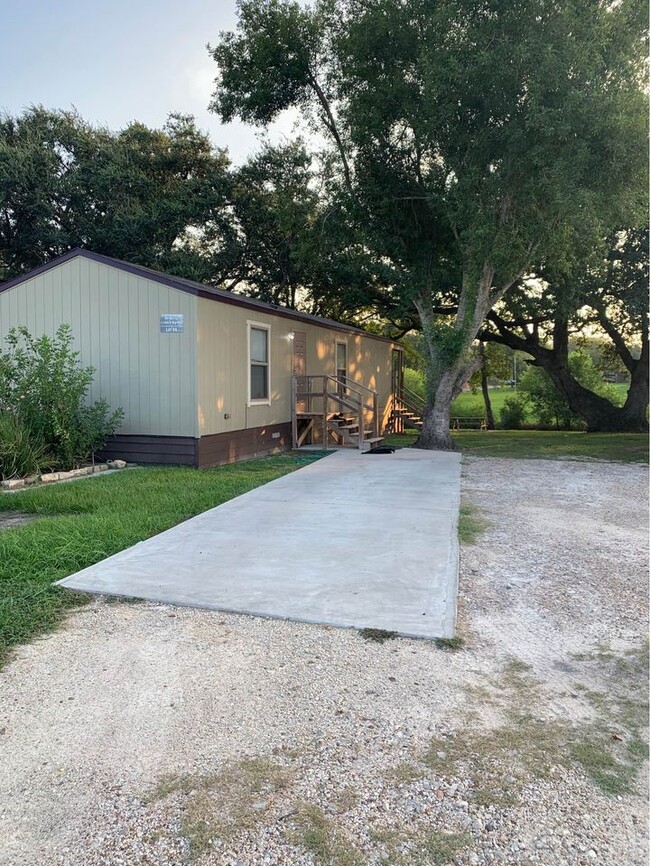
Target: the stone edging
(52, 477)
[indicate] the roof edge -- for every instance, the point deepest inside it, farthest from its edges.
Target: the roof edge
(192, 288)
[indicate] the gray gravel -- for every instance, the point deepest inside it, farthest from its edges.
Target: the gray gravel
(143, 734)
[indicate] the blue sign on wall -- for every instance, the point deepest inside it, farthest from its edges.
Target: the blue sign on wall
(171, 323)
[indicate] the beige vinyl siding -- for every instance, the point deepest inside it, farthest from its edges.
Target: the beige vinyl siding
(223, 365)
(115, 320)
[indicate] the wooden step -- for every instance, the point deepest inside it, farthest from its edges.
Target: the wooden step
(374, 439)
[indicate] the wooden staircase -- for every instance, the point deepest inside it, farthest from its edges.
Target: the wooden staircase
(333, 412)
(408, 409)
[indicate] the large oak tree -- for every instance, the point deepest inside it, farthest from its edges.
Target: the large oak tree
(609, 298)
(473, 139)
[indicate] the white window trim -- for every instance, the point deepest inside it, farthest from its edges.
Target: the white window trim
(265, 401)
(338, 341)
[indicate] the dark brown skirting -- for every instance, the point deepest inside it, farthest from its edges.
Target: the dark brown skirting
(214, 450)
(220, 448)
(169, 450)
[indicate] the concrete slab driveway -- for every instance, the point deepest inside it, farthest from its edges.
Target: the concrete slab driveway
(351, 540)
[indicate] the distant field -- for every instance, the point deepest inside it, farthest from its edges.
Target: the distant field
(545, 444)
(471, 405)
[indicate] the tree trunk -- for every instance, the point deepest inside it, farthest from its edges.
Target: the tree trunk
(450, 360)
(489, 414)
(436, 433)
(635, 408)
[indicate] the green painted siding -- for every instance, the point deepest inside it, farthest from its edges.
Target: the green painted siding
(115, 319)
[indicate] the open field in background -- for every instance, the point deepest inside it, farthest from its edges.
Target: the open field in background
(82, 522)
(544, 444)
(470, 404)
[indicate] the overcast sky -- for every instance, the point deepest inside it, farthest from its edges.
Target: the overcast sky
(119, 61)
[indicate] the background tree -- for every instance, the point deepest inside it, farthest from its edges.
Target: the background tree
(169, 200)
(611, 296)
(294, 244)
(473, 138)
(548, 403)
(140, 194)
(496, 363)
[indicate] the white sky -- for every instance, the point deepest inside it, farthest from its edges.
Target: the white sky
(120, 61)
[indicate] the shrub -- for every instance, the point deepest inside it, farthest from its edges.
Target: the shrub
(21, 452)
(43, 385)
(513, 413)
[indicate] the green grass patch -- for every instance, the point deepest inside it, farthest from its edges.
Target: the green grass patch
(439, 848)
(222, 805)
(417, 847)
(319, 836)
(449, 643)
(377, 635)
(470, 524)
(611, 775)
(610, 750)
(555, 445)
(83, 522)
(543, 444)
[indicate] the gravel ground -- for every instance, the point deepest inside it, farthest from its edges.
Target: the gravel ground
(143, 734)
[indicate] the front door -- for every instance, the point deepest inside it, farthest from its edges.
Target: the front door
(299, 367)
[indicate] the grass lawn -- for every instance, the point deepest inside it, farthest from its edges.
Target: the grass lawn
(471, 405)
(553, 445)
(82, 522)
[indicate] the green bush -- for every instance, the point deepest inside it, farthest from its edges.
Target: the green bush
(21, 452)
(513, 413)
(43, 386)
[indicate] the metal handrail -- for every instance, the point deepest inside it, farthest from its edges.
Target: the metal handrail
(412, 394)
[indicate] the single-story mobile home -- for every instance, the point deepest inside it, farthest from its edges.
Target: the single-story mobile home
(207, 376)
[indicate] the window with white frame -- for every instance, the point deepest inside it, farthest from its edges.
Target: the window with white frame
(258, 363)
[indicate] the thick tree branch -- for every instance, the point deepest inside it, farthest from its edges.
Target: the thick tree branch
(617, 339)
(330, 123)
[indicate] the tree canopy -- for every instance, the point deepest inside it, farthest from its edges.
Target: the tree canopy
(473, 139)
(133, 194)
(168, 199)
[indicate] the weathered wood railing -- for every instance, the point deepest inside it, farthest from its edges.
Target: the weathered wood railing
(405, 401)
(318, 398)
